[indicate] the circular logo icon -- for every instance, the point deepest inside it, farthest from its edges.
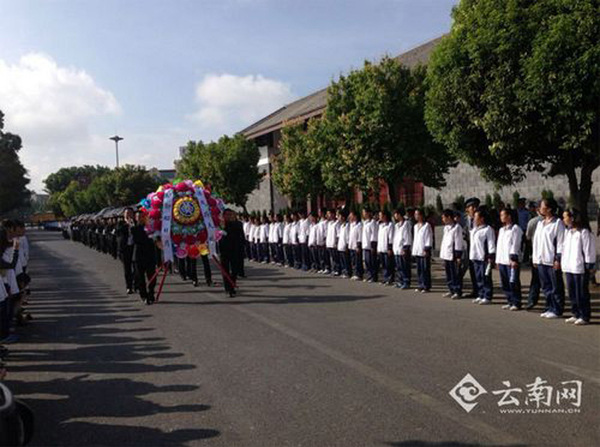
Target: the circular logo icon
(186, 211)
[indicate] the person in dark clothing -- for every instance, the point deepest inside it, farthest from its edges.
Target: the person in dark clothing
(125, 247)
(238, 230)
(144, 259)
(231, 248)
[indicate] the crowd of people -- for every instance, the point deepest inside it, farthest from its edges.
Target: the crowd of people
(384, 247)
(125, 239)
(14, 281)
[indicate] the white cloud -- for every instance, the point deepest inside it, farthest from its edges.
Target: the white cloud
(227, 103)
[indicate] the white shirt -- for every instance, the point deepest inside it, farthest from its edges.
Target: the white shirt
(423, 238)
(332, 234)
(385, 236)
(312, 234)
(369, 233)
(579, 249)
(402, 236)
(287, 227)
(548, 241)
(264, 233)
(509, 244)
(3, 293)
(9, 276)
(321, 232)
(276, 232)
(303, 226)
(247, 230)
(483, 242)
(255, 233)
(355, 235)
(452, 241)
(343, 236)
(24, 251)
(294, 233)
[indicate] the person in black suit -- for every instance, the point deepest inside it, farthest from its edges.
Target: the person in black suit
(144, 258)
(238, 261)
(125, 247)
(231, 247)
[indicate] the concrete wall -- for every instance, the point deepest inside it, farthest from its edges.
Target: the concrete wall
(465, 180)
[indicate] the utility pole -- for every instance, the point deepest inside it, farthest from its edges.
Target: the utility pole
(116, 139)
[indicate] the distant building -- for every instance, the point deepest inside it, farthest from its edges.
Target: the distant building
(167, 175)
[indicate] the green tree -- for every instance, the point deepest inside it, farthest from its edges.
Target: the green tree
(377, 115)
(515, 87)
(13, 176)
(230, 165)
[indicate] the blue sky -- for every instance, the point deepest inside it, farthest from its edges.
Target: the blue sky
(73, 72)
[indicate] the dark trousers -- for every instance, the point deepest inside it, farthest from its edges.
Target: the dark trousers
(453, 278)
(127, 258)
(484, 282)
(387, 266)
(324, 258)
(305, 256)
(403, 273)
(274, 253)
(247, 249)
(579, 294)
(424, 271)
(280, 256)
(264, 252)
(143, 272)
(4, 318)
(344, 265)
(370, 264)
(333, 260)
(553, 288)
(297, 256)
(356, 263)
(512, 290)
(206, 269)
(289, 254)
(254, 250)
(534, 288)
(315, 263)
(226, 264)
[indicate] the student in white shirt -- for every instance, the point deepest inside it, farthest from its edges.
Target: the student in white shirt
(331, 240)
(296, 250)
(255, 234)
(385, 238)
(303, 225)
(451, 250)
(355, 246)
(401, 247)
(547, 251)
(246, 226)
(9, 257)
(508, 258)
(264, 240)
(321, 239)
(481, 253)
(272, 243)
(342, 246)
(287, 246)
(313, 248)
(369, 245)
(578, 261)
(421, 250)
(275, 237)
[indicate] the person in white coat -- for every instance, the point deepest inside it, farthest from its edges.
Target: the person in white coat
(578, 261)
(296, 250)
(355, 247)
(451, 250)
(401, 247)
(313, 248)
(508, 258)
(331, 241)
(342, 246)
(546, 257)
(481, 253)
(264, 240)
(286, 240)
(369, 245)
(421, 251)
(385, 238)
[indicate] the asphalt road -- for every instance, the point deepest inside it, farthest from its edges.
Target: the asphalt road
(294, 360)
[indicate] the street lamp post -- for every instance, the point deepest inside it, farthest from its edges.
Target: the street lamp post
(116, 139)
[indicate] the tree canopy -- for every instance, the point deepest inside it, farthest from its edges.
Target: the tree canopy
(230, 165)
(515, 87)
(13, 176)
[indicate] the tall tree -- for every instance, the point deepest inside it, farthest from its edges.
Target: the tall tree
(515, 87)
(379, 113)
(230, 165)
(13, 180)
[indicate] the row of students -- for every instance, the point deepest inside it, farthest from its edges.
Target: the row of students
(342, 245)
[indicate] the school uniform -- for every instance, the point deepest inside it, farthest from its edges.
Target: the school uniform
(578, 258)
(534, 284)
(246, 227)
(313, 247)
(8, 277)
(125, 249)
(287, 246)
(331, 240)
(273, 241)
(254, 241)
(278, 234)
(369, 247)
(510, 239)
(481, 255)
(451, 250)
(421, 251)
(469, 265)
(342, 248)
(303, 225)
(264, 242)
(297, 254)
(322, 249)
(355, 249)
(385, 238)
(144, 258)
(547, 248)
(401, 246)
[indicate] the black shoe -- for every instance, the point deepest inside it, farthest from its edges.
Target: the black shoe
(129, 291)
(232, 294)
(149, 301)
(195, 283)
(209, 283)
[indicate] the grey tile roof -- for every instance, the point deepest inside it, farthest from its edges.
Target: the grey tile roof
(315, 103)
